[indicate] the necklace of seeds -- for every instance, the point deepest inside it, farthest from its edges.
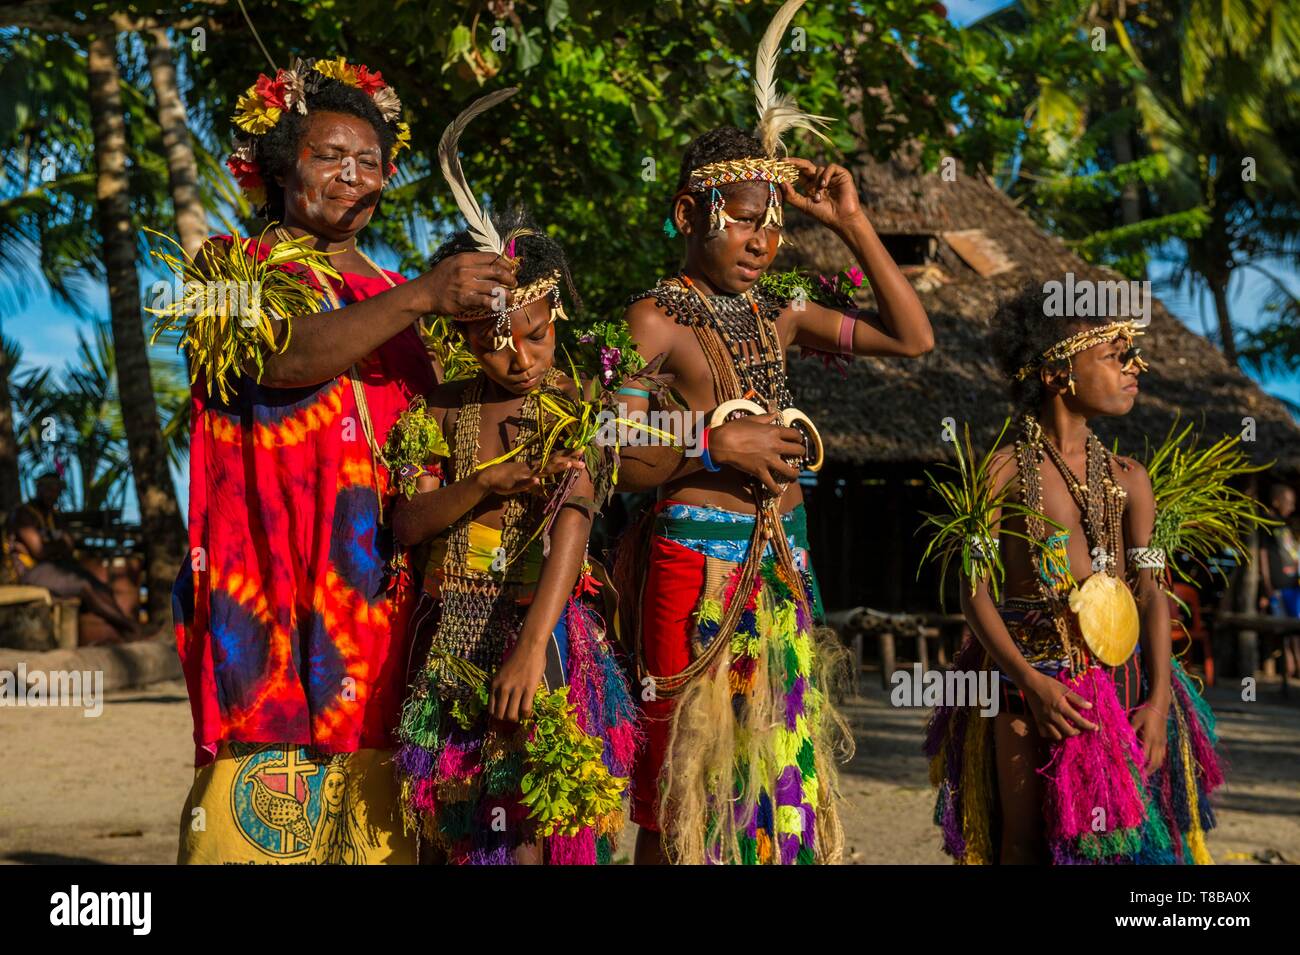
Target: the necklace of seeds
(476, 623)
(738, 336)
(1096, 500)
(1101, 508)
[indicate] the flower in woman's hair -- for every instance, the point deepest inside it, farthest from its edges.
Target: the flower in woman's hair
(855, 276)
(337, 69)
(389, 106)
(271, 90)
(253, 114)
(295, 90)
(246, 172)
(369, 82)
(403, 140)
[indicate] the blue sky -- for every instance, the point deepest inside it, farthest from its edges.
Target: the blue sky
(47, 330)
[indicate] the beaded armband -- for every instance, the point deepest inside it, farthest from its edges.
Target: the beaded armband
(1146, 558)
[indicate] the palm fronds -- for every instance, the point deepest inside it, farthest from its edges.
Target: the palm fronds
(968, 529)
(446, 345)
(413, 439)
(1198, 513)
(230, 302)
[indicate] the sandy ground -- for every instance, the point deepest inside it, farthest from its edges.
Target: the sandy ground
(110, 789)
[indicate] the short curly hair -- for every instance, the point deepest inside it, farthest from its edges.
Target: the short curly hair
(538, 254)
(717, 145)
(1022, 331)
(277, 151)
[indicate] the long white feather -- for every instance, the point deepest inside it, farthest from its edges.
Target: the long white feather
(777, 112)
(481, 229)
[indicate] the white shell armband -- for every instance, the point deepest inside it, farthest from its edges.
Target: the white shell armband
(985, 548)
(1146, 558)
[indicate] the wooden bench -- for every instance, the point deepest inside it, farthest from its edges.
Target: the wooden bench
(860, 624)
(1264, 626)
(32, 619)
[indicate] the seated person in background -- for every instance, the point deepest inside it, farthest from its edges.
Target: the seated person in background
(43, 557)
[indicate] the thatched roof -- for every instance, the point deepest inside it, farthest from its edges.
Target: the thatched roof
(891, 411)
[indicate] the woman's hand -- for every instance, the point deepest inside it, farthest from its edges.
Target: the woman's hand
(468, 282)
(515, 684)
(1058, 711)
(830, 195)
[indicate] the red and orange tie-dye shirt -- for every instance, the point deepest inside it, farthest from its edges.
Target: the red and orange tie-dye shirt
(287, 627)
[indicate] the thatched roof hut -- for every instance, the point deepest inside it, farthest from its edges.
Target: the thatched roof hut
(967, 247)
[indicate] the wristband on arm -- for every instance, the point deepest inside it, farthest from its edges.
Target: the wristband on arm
(847, 324)
(705, 458)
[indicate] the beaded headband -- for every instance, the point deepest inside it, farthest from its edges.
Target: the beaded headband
(262, 106)
(729, 171)
(1067, 348)
(547, 285)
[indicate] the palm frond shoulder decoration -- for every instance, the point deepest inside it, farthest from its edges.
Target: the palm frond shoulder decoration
(973, 519)
(231, 301)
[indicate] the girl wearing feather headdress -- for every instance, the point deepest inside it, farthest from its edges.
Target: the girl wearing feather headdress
(518, 733)
(1101, 749)
(718, 583)
(291, 618)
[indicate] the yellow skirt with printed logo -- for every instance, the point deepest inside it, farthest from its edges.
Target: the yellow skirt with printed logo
(284, 804)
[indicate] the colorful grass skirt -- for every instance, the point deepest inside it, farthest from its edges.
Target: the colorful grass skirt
(739, 768)
(464, 774)
(1099, 805)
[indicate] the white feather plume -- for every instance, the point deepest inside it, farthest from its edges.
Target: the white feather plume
(481, 229)
(777, 112)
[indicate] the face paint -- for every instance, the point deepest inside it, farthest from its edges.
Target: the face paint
(335, 184)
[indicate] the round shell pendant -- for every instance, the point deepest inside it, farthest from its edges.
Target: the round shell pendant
(1108, 617)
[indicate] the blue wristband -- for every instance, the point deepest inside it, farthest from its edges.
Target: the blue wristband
(705, 458)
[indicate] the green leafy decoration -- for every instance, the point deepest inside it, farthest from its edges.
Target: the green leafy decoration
(412, 441)
(1199, 514)
(973, 520)
(566, 785)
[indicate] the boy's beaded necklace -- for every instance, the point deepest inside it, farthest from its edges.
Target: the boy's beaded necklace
(478, 619)
(738, 336)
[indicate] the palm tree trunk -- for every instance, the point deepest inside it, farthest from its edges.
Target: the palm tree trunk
(1227, 339)
(1130, 204)
(182, 169)
(160, 521)
(10, 488)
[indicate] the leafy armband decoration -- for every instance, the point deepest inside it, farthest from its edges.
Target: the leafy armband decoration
(971, 524)
(413, 440)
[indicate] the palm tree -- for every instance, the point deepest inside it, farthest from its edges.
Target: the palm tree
(10, 488)
(182, 168)
(1208, 88)
(1222, 107)
(162, 530)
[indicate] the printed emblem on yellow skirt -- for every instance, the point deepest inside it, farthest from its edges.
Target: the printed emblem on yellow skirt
(279, 803)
